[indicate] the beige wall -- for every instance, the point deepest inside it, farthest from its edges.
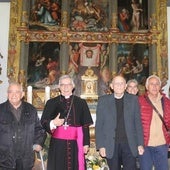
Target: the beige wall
(4, 23)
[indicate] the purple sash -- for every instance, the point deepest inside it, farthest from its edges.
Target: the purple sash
(72, 133)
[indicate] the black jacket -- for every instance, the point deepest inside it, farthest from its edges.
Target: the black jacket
(17, 138)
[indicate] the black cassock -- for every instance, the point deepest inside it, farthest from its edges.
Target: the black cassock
(63, 154)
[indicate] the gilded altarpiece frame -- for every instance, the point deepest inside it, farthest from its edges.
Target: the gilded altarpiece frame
(91, 24)
(22, 33)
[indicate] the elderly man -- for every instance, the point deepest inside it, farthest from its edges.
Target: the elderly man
(67, 118)
(20, 131)
(155, 115)
(119, 135)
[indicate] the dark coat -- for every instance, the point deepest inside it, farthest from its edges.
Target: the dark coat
(19, 136)
(106, 121)
(63, 154)
(79, 114)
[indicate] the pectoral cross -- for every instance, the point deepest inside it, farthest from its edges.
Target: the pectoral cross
(65, 125)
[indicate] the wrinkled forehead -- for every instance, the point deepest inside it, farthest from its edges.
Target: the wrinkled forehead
(154, 79)
(119, 79)
(14, 87)
(65, 80)
(132, 84)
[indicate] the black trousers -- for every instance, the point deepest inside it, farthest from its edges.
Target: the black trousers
(122, 156)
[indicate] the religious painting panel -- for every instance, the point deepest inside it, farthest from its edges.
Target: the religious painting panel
(89, 65)
(132, 15)
(89, 28)
(44, 14)
(43, 64)
(133, 62)
(89, 15)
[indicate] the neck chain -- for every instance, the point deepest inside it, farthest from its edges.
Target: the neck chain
(68, 113)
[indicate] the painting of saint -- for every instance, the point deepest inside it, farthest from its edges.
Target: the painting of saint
(133, 61)
(132, 15)
(89, 15)
(45, 13)
(43, 64)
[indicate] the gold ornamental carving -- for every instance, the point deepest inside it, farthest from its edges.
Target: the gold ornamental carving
(20, 32)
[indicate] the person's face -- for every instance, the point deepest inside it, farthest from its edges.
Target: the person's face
(132, 88)
(89, 54)
(105, 75)
(153, 86)
(118, 85)
(15, 94)
(66, 87)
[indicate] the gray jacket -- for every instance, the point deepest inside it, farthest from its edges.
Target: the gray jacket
(105, 127)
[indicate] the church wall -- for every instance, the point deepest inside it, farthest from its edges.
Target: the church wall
(4, 32)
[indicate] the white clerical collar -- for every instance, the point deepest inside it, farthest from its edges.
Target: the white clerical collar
(67, 97)
(118, 97)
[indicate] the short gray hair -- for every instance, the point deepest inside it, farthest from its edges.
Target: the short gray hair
(15, 84)
(65, 77)
(152, 76)
(132, 81)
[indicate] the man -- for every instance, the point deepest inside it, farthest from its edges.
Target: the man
(67, 118)
(119, 135)
(20, 131)
(132, 86)
(156, 135)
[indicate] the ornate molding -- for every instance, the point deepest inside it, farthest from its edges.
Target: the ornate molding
(65, 35)
(20, 31)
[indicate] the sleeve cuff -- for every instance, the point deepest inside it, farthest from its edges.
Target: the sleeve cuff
(52, 126)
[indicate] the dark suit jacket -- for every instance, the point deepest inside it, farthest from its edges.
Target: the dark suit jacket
(105, 127)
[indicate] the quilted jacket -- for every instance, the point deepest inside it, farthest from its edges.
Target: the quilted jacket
(146, 116)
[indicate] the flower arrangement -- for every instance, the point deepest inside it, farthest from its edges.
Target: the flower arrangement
(96, 163)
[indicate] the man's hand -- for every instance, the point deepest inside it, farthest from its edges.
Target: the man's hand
(140, 150)
(37, 147)
(57, 121)
(102, 152)
(86, 149)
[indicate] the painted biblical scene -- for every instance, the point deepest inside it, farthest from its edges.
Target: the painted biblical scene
(133, 61)
(43, 64)
(132, 15)
(45, 14)
(89, 15)
(89, 65)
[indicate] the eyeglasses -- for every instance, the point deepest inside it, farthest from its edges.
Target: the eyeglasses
(62, 85)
